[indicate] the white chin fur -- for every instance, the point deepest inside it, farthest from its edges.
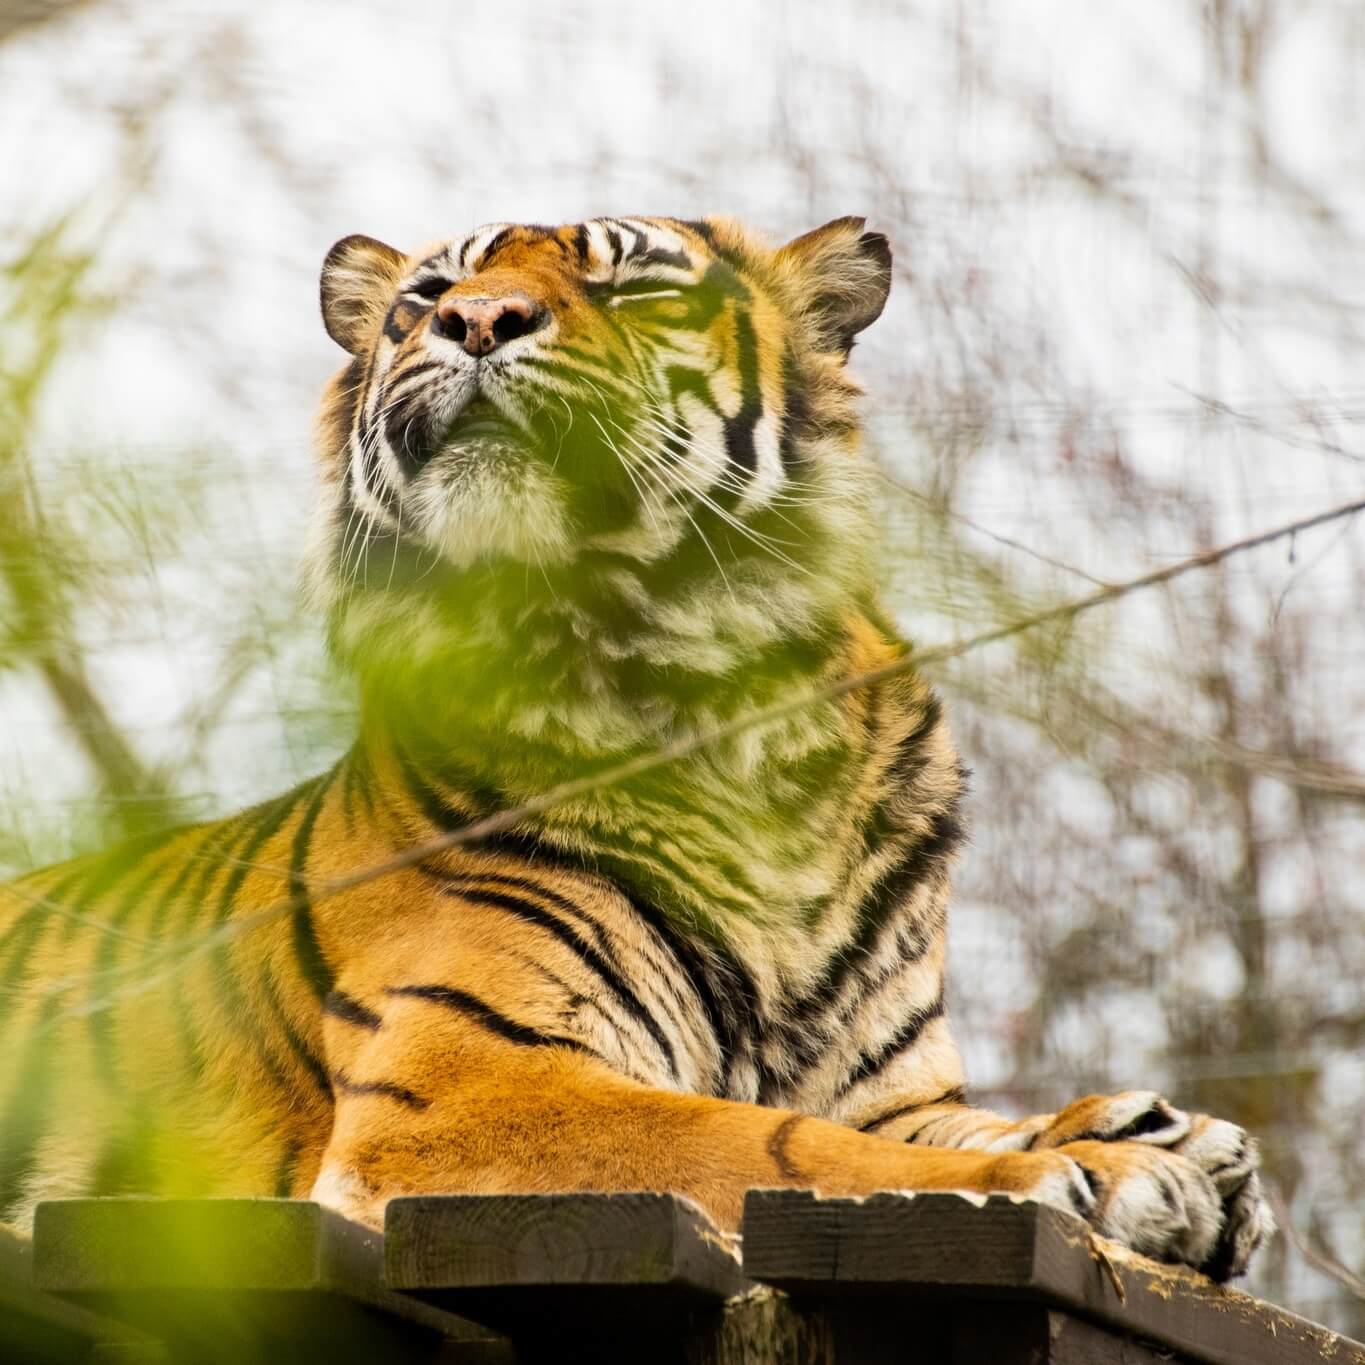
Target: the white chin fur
(490, 500)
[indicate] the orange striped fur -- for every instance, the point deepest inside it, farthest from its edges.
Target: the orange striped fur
(585, 491)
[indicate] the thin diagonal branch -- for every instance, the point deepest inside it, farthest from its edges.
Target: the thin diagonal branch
(178, 954)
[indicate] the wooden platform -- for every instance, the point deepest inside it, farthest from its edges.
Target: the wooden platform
(471, 1280)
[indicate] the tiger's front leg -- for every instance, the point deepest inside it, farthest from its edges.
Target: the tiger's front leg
(445, 1095)
(1129, 1143)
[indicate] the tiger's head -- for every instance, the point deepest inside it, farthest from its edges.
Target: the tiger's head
(631, 417)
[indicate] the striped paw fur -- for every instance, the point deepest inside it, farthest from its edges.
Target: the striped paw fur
(1151, 1200)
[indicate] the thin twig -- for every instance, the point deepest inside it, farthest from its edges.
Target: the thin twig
(1315, 1256)
(501, 821)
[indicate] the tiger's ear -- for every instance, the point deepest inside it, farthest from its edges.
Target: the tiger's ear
(844, 275)
(359, 277)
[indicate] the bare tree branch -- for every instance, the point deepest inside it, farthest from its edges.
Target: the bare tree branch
(1315, 1256)
(178, 954)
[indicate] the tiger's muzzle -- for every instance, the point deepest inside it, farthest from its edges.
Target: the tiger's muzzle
(481, 325)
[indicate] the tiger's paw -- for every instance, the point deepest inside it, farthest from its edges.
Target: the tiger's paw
(1228, 1155)
(1223, 1154)
(1202, 1209)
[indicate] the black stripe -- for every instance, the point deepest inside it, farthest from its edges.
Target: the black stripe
(777, 1144)
(298, 1045)
(369, 443)
(342, 1006)
(308, 955)
(536, 888)
(20, 948)
(201, 863)
(591, 957)
(580, 240)
(409, 431)
(88, 881)
(102, 1016)
(127, 1163)
(911, 755)
(678, 1007)
(924, 859)
(638, 239)
(796, 415)
(26, 1107)
(497, 240)
(441, 811)
(702, 228)
(903, 1039)
(257, 827)
(438, 809)
(364, 778)
(657, 255)
(399, 321)
(586, 361)
(409, 1098)
(474, 1008)
(957, 1095)
(728, 994)
(114, 867)
(22, 935)
(739, 429)
(666, 870)
(186, 894)
(706, 232)
(348, 785)
(397, 376)
(259, 824)
(287, 1170)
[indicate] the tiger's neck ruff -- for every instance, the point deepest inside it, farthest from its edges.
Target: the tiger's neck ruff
(593, 488)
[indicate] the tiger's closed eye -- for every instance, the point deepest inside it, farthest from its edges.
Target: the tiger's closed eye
(429, 289)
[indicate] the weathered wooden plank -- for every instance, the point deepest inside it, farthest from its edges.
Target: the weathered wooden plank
(767, 1327)
(236, 1279)
(1001, 1332)
(39, 1328)
(943, 1245)
(602, 1266)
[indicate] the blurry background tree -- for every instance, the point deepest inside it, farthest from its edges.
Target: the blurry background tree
(1127, 326)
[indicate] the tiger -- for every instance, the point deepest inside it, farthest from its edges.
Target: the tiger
(627, 881)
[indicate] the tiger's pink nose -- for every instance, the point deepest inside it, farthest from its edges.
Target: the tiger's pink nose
(482, 325)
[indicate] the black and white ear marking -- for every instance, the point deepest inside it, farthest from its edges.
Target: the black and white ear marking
(846, 276)
(359, 277)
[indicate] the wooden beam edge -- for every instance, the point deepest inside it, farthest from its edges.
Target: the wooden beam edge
(259, 1245)
(1173, 1305)
(809, 1245)
(623, 1239)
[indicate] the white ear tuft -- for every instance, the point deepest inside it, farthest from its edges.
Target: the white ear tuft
(846, 276)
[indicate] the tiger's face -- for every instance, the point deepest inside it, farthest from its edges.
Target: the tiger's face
(637, 389)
